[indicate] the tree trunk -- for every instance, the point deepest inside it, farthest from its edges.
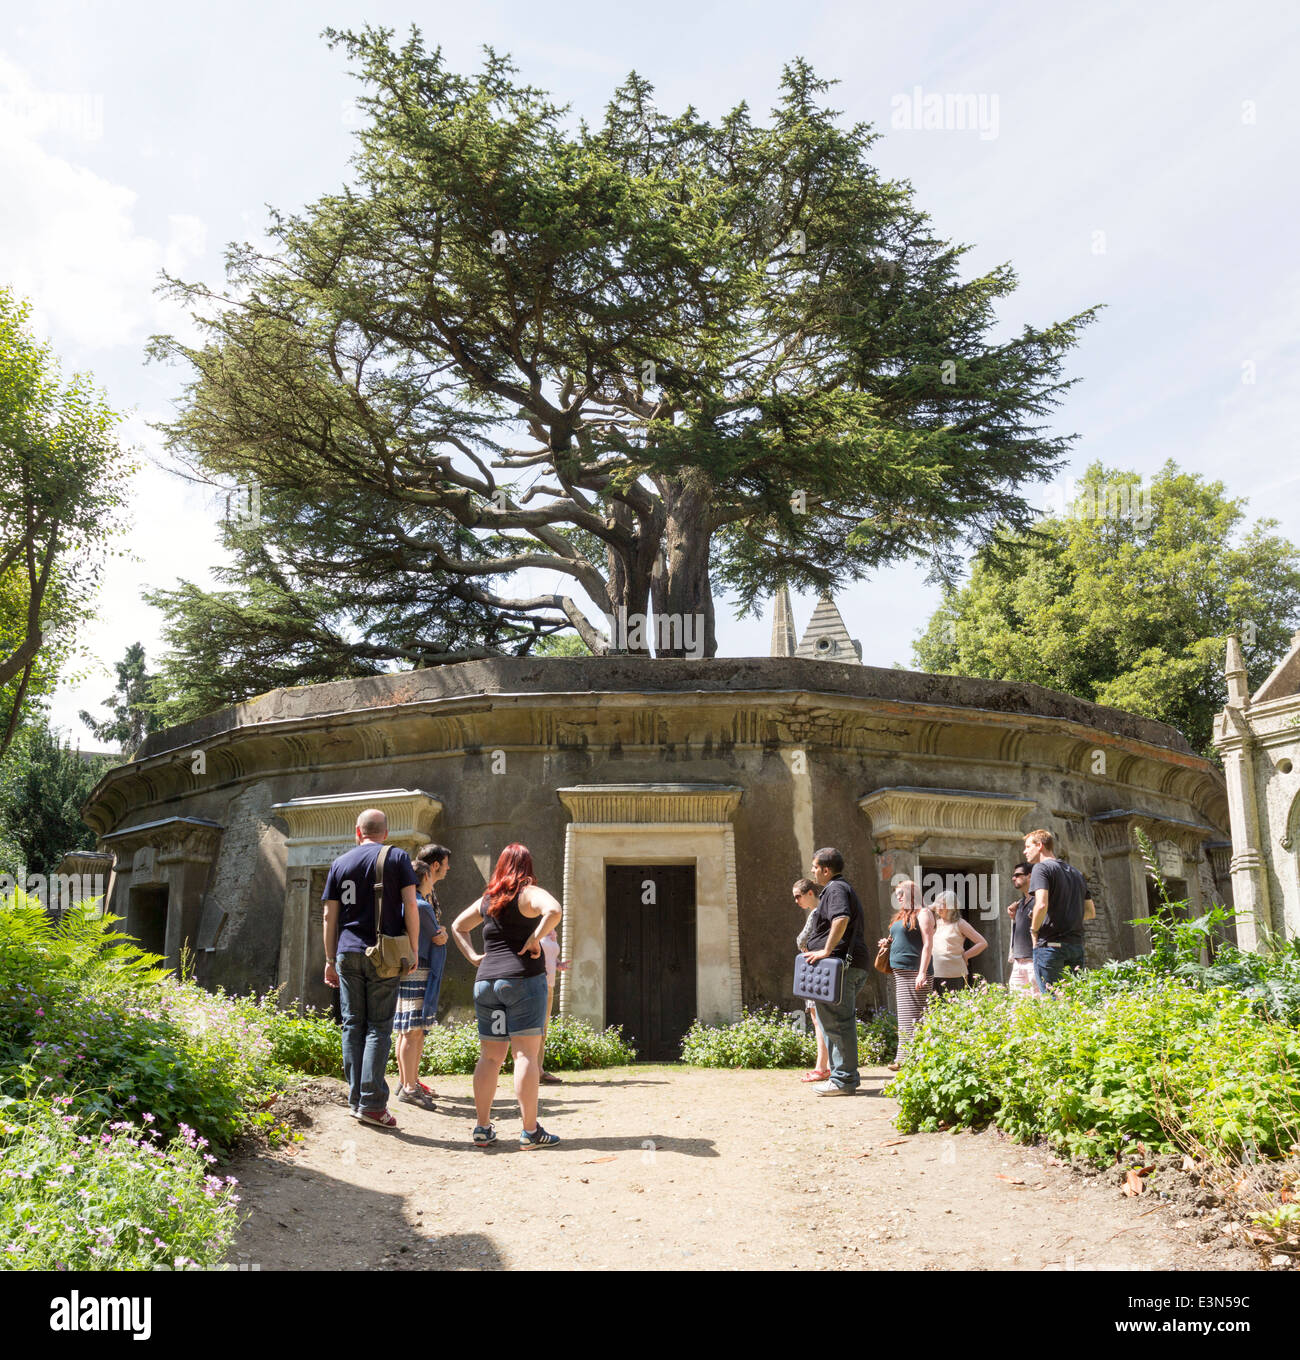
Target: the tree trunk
(630, 577)
(683, 596)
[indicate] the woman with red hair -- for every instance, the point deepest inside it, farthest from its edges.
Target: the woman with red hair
(510, 988)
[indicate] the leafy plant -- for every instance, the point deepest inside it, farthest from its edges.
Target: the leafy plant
(1105, 1062)
(765, 1038)
(77, 1197)
(571, 1045)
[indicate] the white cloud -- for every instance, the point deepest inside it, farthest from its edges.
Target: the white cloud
(68, 237)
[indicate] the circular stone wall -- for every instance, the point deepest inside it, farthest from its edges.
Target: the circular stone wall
(716, 779)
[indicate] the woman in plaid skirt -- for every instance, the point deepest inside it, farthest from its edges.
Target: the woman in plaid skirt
(417, 992)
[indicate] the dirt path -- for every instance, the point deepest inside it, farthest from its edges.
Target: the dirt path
(677, 1168)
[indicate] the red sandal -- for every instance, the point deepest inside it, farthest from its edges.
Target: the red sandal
(816, 1076)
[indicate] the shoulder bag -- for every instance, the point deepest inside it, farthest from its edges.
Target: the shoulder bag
(391, 954)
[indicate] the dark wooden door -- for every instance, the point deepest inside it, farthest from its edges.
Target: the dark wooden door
(650, 955)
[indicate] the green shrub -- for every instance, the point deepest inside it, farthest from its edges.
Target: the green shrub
(572, 1045)
(1105, 1062)
(309, 1043)
(769, 1038)
(74, 1196)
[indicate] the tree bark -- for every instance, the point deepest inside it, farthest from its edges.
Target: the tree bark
(683, 595)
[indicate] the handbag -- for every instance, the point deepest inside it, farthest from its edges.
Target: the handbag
(822, 981)
(882, 958)
(391, 954)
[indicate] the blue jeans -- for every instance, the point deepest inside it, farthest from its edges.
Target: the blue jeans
(1049, 964)
(840, 1024)
(368, 1003)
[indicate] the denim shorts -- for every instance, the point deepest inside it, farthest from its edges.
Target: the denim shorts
(510, 1008)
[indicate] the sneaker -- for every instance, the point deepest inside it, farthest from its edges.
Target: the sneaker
(828, 1088)
(416, 1097)
(485, 1135)
(538, 1138)
(380, 1119)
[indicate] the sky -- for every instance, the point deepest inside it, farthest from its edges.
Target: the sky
(1143, 158)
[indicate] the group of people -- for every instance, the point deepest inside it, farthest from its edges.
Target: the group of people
(514, 986)
(930, 949)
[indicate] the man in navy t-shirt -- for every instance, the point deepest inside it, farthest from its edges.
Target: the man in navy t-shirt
(368, 1002)
(1062, 903)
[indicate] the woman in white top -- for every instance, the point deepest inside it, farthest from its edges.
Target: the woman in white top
(956, 941)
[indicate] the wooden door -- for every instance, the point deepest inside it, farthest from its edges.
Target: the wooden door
(650, 955)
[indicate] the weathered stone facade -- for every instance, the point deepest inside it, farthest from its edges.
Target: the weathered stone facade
(741, 768)
(1259, 738)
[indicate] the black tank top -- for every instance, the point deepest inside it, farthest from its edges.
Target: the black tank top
(504, 935)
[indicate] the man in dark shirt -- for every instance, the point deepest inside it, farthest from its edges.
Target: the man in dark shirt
(1021, 956)
(836, 929)
(368, 1002)
(1062, 903)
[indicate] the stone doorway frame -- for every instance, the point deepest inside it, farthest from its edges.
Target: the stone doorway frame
(651, 824)
(319, 830)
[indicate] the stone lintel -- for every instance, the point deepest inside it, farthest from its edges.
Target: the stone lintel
(174, 838)
(900, 816)
(1114, 831)
(329, 823)
(651, 803)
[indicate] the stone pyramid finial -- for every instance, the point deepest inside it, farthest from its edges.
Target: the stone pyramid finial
(826, 638)
(1234, 668)
(783, 634)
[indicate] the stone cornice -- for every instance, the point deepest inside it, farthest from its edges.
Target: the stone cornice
(1114, 831)
(332, 820)
(645, 803)
(901, 816)
(463, 725)
(176, 839)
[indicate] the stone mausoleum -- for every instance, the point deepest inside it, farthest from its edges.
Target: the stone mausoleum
(1258, 736)
(669, 803)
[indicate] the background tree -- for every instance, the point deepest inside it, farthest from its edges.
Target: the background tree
(62, 479)
(131, 704)
(43, 784)
(1124, 613)
(636, 359)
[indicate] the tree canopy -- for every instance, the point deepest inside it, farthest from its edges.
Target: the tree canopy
(641, 360)
(63, 477)
(1128, 600)
(133, 704)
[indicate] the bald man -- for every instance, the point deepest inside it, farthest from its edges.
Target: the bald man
(368, 1002)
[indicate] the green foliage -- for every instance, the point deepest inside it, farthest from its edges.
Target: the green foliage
(132, 703)
(1126, 611)
(64, 480)
(75, 1196)
(768, 1038)
(1106, 1062)
(571, 1046)
(309, 1042)
(43, 785)
(606, 353)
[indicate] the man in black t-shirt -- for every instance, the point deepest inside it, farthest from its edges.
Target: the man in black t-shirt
(1062, 903)
(836, 929)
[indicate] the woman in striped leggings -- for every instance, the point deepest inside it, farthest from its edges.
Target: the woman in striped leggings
(911, 943)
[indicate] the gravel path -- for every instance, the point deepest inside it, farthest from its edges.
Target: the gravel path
(671, 1168)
